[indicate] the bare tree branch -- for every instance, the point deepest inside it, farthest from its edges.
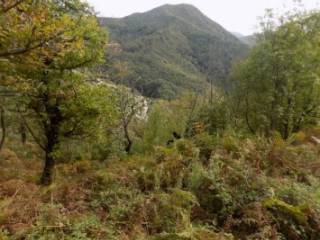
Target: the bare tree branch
(36, 139)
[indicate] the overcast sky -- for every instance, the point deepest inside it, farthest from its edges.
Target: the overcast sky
(235, 15)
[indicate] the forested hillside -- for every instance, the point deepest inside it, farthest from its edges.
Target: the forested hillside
(249, 40)
(85, 158)
(174, 48)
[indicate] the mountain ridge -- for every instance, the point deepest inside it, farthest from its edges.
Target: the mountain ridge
(174, 48)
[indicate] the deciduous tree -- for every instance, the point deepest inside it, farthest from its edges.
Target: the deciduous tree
(277, 88)
(46, 45)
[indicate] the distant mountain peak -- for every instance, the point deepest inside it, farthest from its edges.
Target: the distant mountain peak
(182, 6)
(238, 35)
(174, 48)
(169, 9)
(179, 10)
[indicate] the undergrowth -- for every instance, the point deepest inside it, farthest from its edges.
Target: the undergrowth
(203, 188)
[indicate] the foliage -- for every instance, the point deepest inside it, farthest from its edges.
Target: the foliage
(194, 172)
(173, 193)
(167, 56)
(277, 87)
(56, 38)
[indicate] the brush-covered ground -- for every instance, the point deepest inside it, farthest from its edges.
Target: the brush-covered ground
(204, 188)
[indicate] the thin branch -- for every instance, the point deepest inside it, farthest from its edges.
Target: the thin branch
(36, 139)
(20, 50)
(31, 45)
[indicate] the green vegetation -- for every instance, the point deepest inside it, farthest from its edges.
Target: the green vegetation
(87, 159)
(46, 91)
(174, 48)
(284, 69)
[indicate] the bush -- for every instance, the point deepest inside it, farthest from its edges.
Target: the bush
(294, 222)
(206, 144)
(169, 212)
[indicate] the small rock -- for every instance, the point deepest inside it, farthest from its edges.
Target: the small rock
(315, 140)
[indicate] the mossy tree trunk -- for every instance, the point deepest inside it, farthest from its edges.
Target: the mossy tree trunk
(50, 148)
(51, 123)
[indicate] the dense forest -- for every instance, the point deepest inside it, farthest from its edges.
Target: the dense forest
(173, 48)
(110, 129)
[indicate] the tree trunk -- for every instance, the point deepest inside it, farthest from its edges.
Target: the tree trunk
(128, 147)
(52, 134)
(51, 121)
(127, 136)
(23, 133)
(3, 127)
(52, 128)
(52, 140)
(47, 174)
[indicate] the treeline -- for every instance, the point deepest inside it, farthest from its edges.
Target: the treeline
(49, 91)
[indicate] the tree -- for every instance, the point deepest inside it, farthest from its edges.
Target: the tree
(49, 85)
(26, 25)
(131, 105)
(214, 116)
(277, 87)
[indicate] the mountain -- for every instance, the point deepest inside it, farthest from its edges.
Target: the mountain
(238, 35)
(250, 40)
(174, 48)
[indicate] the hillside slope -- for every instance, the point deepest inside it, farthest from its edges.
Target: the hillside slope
(174, 48)
(250, 40)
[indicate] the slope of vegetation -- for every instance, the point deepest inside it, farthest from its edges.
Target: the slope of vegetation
(249, 40)
(248, 188)
(79, 161)
(174, 48)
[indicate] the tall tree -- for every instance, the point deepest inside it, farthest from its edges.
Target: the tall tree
(54, 39)
(277, 87)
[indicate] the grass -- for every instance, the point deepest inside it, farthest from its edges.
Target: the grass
(251, 188)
